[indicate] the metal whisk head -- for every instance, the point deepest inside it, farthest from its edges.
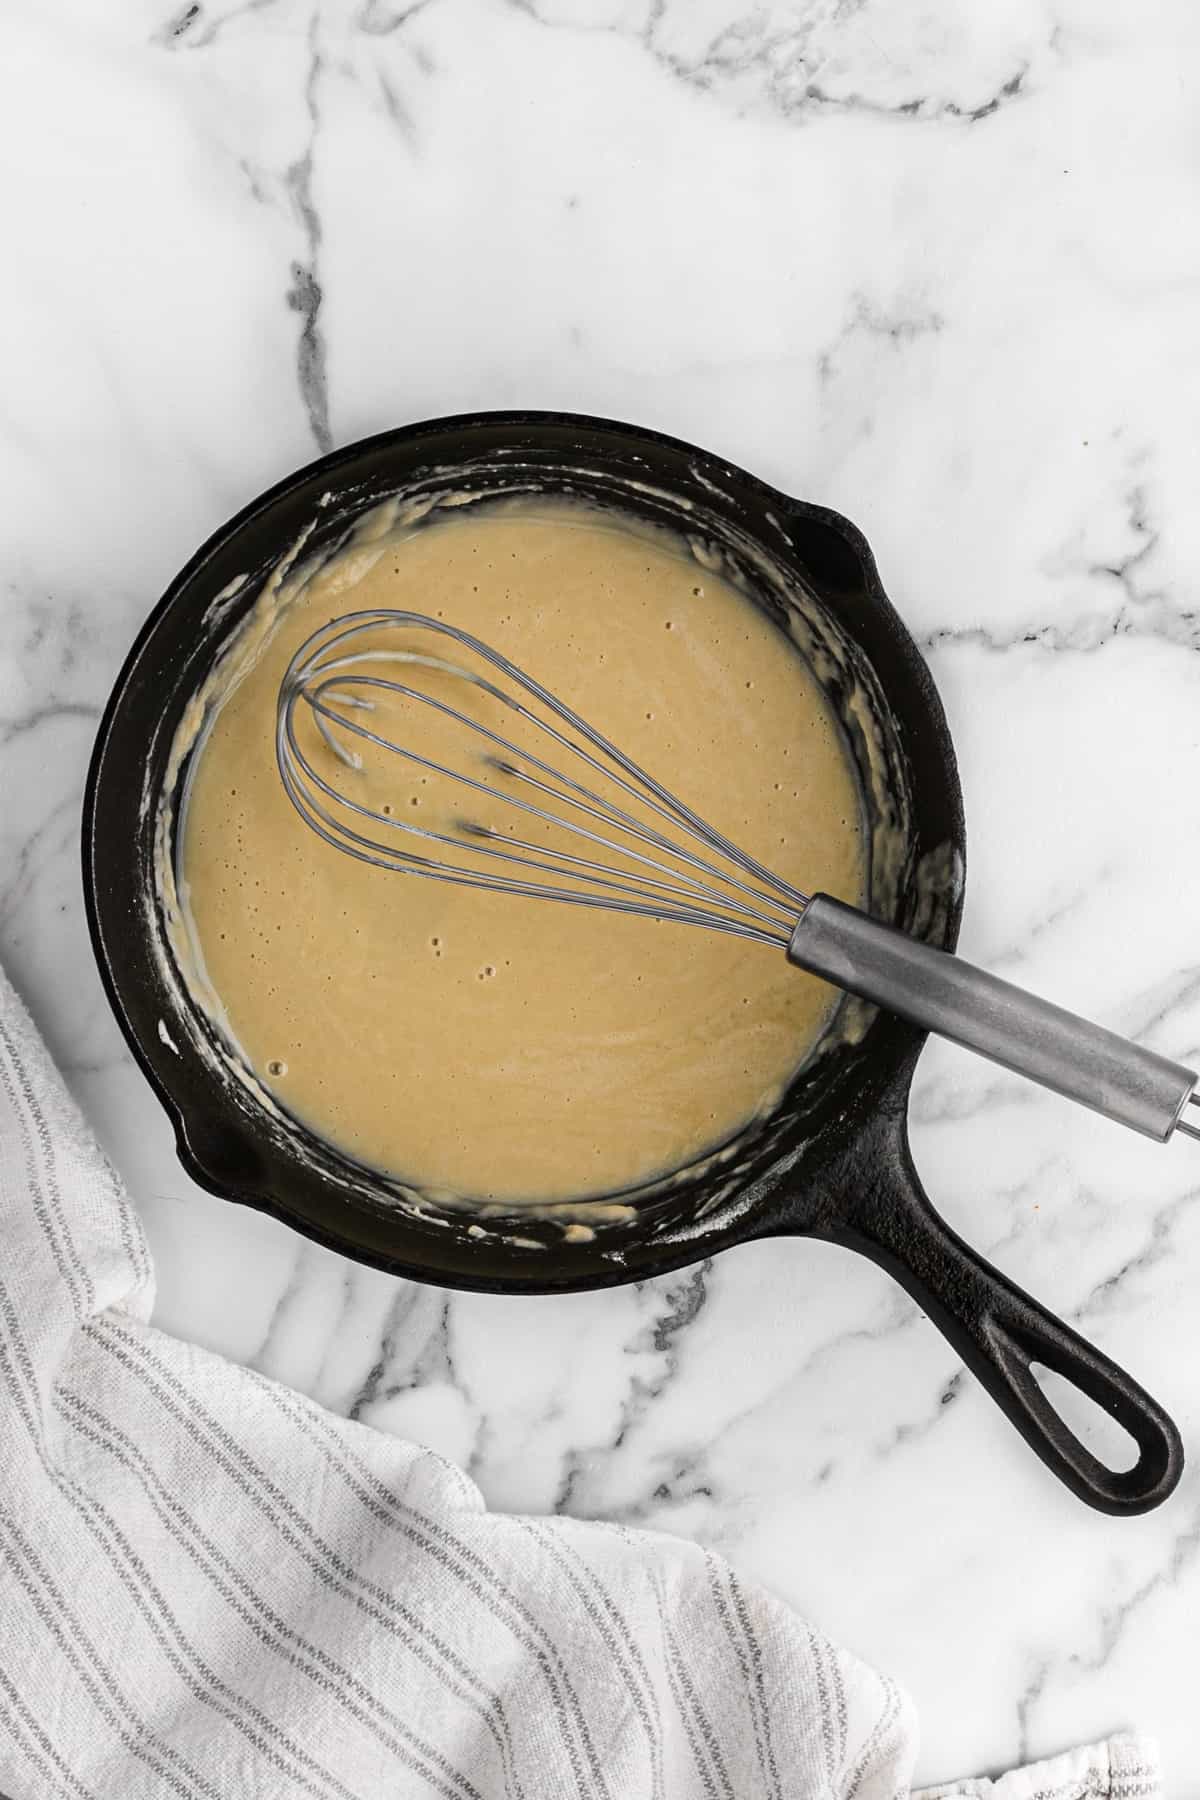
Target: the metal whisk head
(588, 828)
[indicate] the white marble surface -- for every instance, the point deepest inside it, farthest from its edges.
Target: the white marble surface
(935, 264)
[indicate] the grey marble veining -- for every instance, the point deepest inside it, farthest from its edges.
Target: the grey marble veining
(936, 266)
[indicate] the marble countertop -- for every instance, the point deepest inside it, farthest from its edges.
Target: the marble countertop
(936, 266)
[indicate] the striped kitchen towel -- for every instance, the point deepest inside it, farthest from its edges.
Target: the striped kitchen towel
(210, 1587)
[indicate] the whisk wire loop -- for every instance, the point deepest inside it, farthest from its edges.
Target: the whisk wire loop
(655, 874)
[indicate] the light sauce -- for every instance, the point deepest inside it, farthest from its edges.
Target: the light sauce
(505, 1048)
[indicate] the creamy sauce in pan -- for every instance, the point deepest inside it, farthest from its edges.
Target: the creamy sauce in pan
(483, 1045)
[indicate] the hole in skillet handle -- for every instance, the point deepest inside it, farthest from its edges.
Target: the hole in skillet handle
(874, 1203)
(1105, 1436)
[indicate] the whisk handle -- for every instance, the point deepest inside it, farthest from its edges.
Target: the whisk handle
(933, 989)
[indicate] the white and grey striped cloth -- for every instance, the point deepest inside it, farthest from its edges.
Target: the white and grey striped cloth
(210, 1587)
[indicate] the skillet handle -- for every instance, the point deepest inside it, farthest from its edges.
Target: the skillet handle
(881, 1210)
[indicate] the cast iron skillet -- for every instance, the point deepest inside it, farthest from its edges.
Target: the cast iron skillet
(833, 1161)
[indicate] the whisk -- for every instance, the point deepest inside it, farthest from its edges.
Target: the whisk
(621, 841)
